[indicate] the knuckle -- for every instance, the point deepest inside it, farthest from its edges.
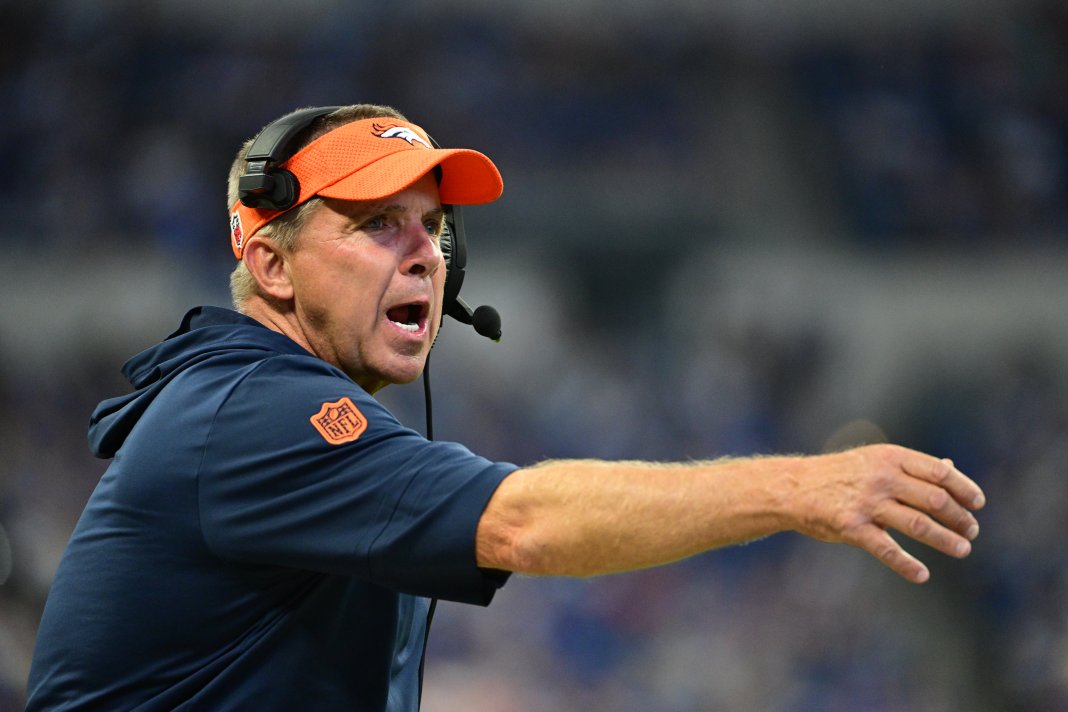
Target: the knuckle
(844, 525)
(940, 470)
(874, 485)
(887, 553)
(919, 525)
(938, 499)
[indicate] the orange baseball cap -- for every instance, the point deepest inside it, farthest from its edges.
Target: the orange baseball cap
(371, 159)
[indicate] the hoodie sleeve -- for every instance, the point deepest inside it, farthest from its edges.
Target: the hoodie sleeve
(303, 469)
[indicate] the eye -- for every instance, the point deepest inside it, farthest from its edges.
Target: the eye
(434, 226)
(378, 222)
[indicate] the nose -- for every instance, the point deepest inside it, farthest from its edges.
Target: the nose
(424, 253)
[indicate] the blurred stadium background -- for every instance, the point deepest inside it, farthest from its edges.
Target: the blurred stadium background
(728, 227)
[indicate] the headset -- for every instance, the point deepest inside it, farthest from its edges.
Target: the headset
(268, 186)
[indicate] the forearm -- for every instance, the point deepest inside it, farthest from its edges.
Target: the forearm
(588, 517)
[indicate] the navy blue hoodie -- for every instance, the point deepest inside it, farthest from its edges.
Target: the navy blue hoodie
(265, 538)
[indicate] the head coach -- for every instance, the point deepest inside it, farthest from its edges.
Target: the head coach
(268, 536)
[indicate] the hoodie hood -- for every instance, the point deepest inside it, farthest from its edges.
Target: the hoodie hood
(205, 331)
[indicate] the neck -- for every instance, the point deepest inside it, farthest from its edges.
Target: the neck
(282, 318)
(276, 319)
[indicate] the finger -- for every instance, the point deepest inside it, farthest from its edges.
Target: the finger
(918, 525)
(882, 546)
(937, 502)
(944, 474)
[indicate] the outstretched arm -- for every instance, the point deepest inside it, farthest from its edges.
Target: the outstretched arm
(589, 517)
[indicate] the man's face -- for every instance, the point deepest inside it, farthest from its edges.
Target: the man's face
(368, 280)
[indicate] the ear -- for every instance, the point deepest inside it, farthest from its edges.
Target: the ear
(267, 265)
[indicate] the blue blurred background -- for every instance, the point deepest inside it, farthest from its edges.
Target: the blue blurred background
(745, 226)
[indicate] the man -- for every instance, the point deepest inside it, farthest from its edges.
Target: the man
(268, 534)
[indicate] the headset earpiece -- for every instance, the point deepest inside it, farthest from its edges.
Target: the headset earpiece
(454, 250)
(273, 189)
(264, 185)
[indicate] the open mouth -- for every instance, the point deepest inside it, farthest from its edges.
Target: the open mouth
(410, 317)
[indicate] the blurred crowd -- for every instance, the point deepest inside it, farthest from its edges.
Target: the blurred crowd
(715, 240)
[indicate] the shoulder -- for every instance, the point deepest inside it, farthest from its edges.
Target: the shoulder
(290, 396)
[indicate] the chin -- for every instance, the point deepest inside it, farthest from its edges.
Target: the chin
(377, 381)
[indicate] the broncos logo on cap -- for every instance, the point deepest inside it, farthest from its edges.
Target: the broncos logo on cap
(399, 132)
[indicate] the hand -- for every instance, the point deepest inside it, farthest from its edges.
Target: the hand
(853, 497)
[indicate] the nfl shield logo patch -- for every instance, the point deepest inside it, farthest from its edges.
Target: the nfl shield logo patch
(339, 421)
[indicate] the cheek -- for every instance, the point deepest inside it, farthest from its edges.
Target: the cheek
(340, 300)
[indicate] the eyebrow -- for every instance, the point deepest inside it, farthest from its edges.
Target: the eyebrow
(364, 209)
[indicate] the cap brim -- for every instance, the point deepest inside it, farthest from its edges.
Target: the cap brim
(467, 177)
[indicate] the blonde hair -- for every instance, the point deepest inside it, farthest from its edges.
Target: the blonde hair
(286, 228)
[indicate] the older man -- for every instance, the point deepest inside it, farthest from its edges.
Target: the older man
(268, 535)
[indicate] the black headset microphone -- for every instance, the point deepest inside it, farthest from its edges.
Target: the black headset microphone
(485, 319)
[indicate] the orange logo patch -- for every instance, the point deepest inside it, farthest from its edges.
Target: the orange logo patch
(339, 421)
